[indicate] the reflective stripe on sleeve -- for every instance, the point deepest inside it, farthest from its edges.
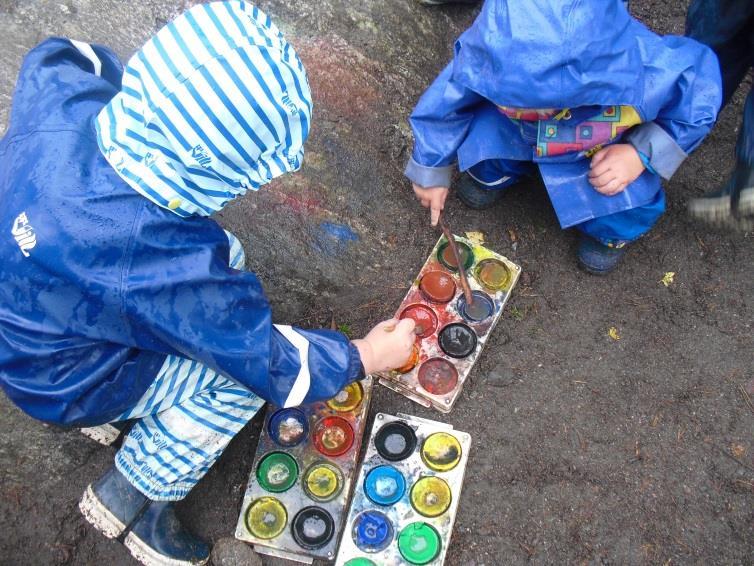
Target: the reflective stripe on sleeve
(86, 50)
(300, 387)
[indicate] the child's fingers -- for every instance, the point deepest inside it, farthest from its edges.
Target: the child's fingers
(435, 214)
(598, 157)
(611, 188)
(406, 326)
(388, 325)
(603, 179)
(600, 168)
(421, 194)
(437, 204)
(620, 189)
(405, 333)
(619, 186)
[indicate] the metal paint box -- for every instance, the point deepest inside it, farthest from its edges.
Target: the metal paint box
(439, 308)
(406, 495)
(301, 479)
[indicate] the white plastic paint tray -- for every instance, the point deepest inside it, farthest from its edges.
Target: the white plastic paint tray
(421, 382)
(284, 487)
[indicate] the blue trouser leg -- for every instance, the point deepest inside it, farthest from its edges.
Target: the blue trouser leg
(626, 226)
(745, 144)
(727, 26)
(185, 420)
(614, 229)
(496, 174)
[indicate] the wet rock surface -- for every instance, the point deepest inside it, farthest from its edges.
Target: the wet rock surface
(586, 449)
(233, 552)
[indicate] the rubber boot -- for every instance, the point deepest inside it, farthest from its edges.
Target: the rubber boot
(157, 538)
(112, 503)
(475, 195)
(731, 206)
(597, 258)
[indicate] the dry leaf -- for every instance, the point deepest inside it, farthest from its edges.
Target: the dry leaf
(667, 279)
(737, 450)
(476, 238)
(512, 235)
(613, 333)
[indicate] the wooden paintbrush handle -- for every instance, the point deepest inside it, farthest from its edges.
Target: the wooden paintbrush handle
(461, 270)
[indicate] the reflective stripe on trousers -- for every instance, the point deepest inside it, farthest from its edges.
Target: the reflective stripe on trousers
(185, 420)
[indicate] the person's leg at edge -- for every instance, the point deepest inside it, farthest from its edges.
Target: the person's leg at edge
(484, 183)
(184, 422)
(604, 239)
(732, 205)
(727, 26)
(745, 160)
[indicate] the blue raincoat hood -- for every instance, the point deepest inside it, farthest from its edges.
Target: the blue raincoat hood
(552, 54)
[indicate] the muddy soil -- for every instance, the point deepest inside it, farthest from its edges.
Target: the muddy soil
(587, 448)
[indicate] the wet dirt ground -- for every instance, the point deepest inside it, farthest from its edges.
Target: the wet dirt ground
(586, 448)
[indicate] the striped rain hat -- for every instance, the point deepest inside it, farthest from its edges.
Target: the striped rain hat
(216, 103)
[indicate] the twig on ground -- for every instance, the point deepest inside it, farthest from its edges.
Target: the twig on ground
(746, 397)
(701, 242)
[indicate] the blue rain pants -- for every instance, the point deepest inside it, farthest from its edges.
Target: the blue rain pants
(614, 229)
(184, 422)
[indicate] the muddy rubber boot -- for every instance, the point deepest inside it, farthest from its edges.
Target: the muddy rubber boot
(112, 503)
(157, 538)
(732, 206)
(474, 195)
(597, 258)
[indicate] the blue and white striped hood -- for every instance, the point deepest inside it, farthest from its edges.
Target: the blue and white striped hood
(215, 104)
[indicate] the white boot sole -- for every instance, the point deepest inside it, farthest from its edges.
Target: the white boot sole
(99, 516)
(746, 202)
(150, 557)
(713, 210)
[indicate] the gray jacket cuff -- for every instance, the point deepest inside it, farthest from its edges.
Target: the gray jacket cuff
(429, 176)
(664, 154)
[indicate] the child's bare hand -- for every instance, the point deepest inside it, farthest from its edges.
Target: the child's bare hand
(387, 346)
(432, 198)
(614, 168)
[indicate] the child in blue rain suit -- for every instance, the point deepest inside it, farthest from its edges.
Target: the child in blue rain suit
(119, 297)
(727, 26)
(579, 90)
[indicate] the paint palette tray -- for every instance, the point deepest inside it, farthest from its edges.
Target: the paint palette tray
(407, 493)
(301, 479)
(450, 333)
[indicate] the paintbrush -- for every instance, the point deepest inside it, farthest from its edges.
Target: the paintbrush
(418, 329)
(454, 248)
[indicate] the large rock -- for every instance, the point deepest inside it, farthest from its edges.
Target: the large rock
(233, 552)
(585, 449)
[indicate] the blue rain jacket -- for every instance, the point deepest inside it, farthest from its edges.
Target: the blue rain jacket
(582, 55)
(98, 284)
